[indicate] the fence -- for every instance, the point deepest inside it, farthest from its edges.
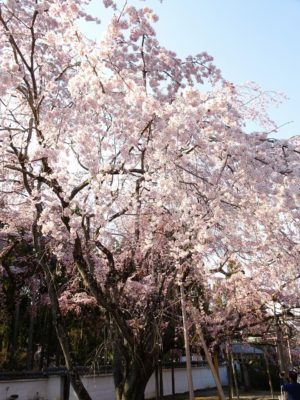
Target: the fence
(50, 387)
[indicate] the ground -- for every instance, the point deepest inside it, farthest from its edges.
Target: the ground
(212, 395)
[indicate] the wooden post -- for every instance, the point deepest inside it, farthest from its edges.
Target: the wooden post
(173, 378)
(230, 373)
(280, 351)
(279, 342)
(161, 381)
(268, 372)
(245, 373)
(236, 385)
(29, 359)
(216, 365)
(187, 345)
(289, 352)
(156, 384)
(210, 363)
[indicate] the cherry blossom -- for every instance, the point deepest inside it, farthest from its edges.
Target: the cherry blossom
(133, 177)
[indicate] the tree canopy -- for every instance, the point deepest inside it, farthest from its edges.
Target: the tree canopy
(131, 169)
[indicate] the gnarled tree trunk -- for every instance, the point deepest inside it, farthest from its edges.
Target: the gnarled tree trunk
(131, 371)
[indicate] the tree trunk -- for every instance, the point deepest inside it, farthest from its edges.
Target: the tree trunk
(63, 338)
(11, 304)
(216, 365)
(66, 387)
(230, 379)
(133, 385)
(131, 371)
(14, 335)
(29, 361)
(48, 264)
(132, 392)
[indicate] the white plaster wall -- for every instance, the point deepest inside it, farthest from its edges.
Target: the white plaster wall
(102, 386)
(55, 388)
(27, 389)
(99, 387)
(224, 375)
(202, 379)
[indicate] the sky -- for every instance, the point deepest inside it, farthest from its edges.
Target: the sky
(250, 40)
